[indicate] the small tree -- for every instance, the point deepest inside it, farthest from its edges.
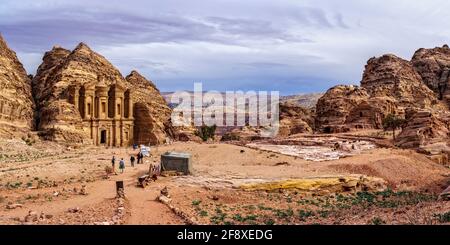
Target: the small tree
(393, 122)
(206, 132)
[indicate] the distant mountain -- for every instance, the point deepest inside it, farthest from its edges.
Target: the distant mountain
(304, 100)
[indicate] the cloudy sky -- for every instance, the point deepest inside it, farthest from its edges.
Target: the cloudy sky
(296, 46)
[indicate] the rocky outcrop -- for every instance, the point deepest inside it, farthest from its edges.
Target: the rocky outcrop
(426, 130)
(335, 106)
(295, 119)
(395, 78)
(390, 85)
(433, 65)
(58, 117)
(152, 114)
(370, 114)
(16, 101)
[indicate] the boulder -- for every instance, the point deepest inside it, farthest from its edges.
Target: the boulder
(445, 195)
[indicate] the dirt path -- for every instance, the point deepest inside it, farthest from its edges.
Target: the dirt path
(145, 210)
(143, 207)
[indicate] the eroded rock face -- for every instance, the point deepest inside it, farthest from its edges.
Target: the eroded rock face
(58, 119)
(426, 130)
(334, 107)
(370, 114)
(295, 119)
(152, 114)
(433, 65)
(393, 77)
(73, 87)
(16, 101)
(390, 85)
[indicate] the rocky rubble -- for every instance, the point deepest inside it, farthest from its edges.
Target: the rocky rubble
(165, 199)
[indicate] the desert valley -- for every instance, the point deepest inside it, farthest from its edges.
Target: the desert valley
(377, 153)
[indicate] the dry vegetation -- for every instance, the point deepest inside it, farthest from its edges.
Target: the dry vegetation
(49, 183)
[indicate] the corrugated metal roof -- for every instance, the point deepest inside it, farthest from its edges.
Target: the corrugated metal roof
(177, 154)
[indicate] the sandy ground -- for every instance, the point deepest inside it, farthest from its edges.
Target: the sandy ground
(46, 179)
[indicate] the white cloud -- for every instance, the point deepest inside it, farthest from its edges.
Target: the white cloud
(292, 45)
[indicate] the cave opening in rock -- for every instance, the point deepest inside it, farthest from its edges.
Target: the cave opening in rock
(103, 137)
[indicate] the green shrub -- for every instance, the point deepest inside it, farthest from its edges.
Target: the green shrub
(377, 221)
(196, 202)
(206, 132)
(443, 218)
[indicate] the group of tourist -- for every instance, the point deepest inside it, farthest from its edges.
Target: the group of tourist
(140, 160)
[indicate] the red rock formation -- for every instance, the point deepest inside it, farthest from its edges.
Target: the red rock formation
(390, 85)
(16, 101)
(393, 77)
(294, 119)
(152, 114)
(426, 130)
(59, 87)
(433, 65)
(370, 114)
(333, 109)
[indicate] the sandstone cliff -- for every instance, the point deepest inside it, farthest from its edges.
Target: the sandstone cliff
(433, 65)
(392, 77)
(295, 119)
(390, 85)
(59, 119)
(333, 109)
(426, 130)
(16, 101)
(152, 114)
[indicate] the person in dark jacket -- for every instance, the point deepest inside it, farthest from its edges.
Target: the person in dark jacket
(140, 156)
(113, 162)
(132, 159)
(122, 165)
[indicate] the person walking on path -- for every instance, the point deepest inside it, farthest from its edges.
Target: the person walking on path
(122, 165)
(132, 161)
(113, 163)
(142, 157)
(139, 157)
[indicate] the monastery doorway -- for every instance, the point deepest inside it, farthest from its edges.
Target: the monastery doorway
(103, 137)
